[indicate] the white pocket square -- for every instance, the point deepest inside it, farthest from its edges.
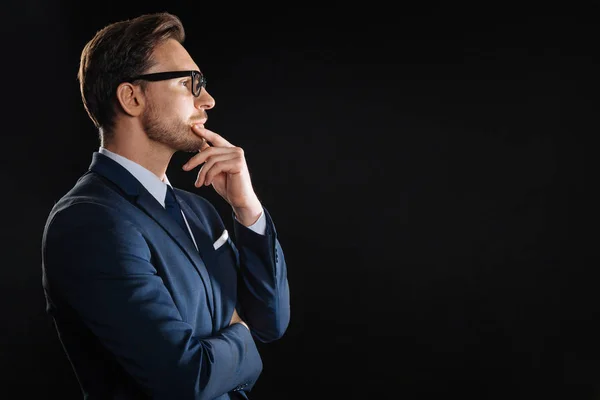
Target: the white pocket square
(220, 241)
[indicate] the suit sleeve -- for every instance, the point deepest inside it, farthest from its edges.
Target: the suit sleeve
(100, 265)
(264, 291)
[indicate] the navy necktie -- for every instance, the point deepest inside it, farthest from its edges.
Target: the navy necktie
(173, 208)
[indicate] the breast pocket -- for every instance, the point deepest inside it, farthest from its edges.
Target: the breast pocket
(221, 240)
(225, 252)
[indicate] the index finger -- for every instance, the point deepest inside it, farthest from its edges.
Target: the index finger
(205, 145)
(210, 136)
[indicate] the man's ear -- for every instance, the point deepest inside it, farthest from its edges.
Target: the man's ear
(131, 98)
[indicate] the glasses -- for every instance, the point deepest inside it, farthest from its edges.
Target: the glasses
(198, 80)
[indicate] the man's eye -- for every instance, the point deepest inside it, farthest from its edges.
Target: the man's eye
(186, 82)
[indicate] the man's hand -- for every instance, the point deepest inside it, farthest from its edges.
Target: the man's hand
(225, 168)
(235, 318)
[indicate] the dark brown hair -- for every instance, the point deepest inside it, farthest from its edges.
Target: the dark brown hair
(116, 52)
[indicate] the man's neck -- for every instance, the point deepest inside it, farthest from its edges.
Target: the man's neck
(150, 157)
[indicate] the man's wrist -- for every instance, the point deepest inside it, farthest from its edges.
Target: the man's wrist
(248, 215)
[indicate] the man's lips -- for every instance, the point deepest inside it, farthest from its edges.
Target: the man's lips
(200, 122)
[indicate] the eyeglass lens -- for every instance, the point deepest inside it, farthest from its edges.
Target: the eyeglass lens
(199, 82)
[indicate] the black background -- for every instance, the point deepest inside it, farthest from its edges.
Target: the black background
(428, 171)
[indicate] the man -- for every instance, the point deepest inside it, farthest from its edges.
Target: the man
(150, 295)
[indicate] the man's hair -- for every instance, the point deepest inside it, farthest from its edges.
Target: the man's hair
(117, 52)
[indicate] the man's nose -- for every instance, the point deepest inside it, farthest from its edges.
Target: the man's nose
(205, 101)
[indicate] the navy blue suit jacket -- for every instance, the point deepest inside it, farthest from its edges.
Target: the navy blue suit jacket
(139, 311)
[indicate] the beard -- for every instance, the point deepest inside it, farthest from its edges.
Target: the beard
(173, 133)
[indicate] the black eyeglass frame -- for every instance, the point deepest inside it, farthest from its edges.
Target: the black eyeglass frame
(163, 76)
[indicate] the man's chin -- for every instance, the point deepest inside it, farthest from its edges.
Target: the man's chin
(192, 147)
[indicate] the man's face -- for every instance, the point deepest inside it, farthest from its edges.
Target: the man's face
(171, 108)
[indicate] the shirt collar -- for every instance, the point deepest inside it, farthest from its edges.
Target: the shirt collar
(152, 183)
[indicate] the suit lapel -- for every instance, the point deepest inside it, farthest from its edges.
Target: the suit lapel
(149, 204)
(131, 187)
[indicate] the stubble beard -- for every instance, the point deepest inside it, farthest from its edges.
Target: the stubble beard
(173, 133)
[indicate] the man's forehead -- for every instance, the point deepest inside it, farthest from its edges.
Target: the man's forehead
(172, 56)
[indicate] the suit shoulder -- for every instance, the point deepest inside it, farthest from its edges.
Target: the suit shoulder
(87, 205)
(85, 217)
(90, 196)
